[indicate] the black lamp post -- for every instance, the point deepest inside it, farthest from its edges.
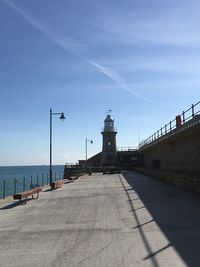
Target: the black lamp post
(62, 117)
(86, 141)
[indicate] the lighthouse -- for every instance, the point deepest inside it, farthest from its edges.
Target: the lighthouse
(109, 148)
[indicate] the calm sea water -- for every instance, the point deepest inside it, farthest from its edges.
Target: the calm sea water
(14, 179)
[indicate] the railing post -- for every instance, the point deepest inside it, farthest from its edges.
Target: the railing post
(47, 178)
(4, 188)
(14, 186)
(37, 179)
(161, 131)
(43, 179)
(192, 111)
(165, 128)
(24, 186)
(183, 116)
(170, 125)
(31, 182)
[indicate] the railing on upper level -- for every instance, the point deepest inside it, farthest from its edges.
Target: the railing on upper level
(127, 148)
(107, 129)
(71, 165)
(176, 124)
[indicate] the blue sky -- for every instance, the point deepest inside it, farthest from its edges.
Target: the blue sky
(140, 58)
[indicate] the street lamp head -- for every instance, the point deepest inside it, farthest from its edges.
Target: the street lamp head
(91, 142)
(62, 116)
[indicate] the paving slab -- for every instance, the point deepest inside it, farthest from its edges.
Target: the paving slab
(100, 220)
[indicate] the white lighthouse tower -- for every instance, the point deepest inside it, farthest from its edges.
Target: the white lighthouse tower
(109, 148)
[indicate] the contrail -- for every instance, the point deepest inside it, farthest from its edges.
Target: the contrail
(117, 79)
(66, 43)
(72, 47)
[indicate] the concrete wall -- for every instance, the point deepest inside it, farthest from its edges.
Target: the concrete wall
(129, 158)
(95, 160)
(178, 151)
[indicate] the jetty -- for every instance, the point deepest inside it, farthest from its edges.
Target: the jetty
(125, 219)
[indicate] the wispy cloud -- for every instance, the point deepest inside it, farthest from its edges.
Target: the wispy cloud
(73, 47)
(63, 41)
(116, 78)
(159, 23)
(183, 64)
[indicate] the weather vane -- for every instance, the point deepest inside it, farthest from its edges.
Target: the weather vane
(109, 111)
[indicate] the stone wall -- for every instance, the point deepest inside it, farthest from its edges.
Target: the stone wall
(177, 151)
(129, 158)
(187, 180)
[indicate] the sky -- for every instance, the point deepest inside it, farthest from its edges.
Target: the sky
(139, 58)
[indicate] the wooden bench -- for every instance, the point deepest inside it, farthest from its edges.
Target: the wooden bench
(26, 194)
(57, 184)
(111, 169)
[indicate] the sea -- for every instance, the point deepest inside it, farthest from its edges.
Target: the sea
(15, 179)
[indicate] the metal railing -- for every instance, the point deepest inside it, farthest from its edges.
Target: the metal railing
(108, 129)
(71, 165)
(181, 121)
(13, 186)
(126, 148)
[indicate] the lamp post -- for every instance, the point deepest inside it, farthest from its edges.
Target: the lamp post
(86, 141)
(62, 117)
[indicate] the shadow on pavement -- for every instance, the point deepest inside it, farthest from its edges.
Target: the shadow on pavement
(14, 204)
(176, 212)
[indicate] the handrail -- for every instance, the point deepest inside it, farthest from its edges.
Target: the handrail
(126, 148)
(180, 120)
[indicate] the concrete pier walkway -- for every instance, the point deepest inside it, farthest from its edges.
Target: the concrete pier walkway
(104, 220)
